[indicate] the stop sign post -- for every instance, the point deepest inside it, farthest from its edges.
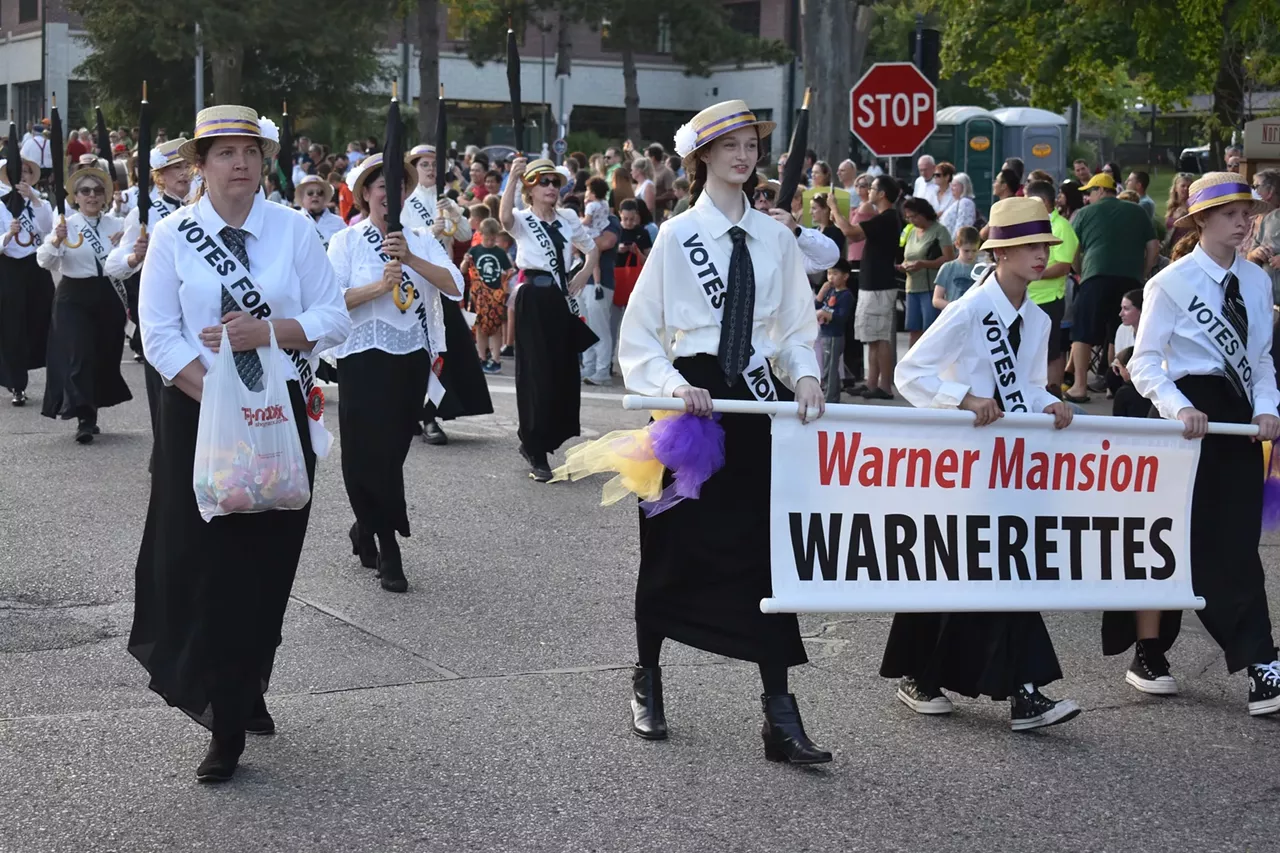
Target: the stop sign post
(892, 109)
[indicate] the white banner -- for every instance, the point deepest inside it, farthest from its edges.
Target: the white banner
(879, 509)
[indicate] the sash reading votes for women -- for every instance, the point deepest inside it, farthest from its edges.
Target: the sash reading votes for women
(1210, 324)
(90, 235)
(1004, 361)
(705, 262)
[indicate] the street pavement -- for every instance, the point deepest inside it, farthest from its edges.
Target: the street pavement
(486, 710)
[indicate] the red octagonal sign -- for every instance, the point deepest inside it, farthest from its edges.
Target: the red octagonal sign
(891, 109)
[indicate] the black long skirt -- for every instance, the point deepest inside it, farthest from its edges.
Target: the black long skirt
(26, 307)
(467, 392)
(210, 596)
(704, 564)
(548, 385)
(379, 401)
(1226, 527)
(86, 342)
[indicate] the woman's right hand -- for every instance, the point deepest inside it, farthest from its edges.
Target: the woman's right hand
(392, 275)
(986, 409)
(60, 233)
(697, 401)
(1195, 423)
(518, 166)
(139, 249)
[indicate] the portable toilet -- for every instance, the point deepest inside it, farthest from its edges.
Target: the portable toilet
(969, 139)
(1039, 137)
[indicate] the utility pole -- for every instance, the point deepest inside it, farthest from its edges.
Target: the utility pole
(199, 71)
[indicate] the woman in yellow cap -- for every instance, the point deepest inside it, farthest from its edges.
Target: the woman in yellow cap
(85, 340)
(211, 596)
(1212, 362)
(722, 293)
(1001, 655)
(26, 290)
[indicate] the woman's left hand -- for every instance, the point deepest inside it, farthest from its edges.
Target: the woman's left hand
(245, 332)
(1268, 427)
(579, 281)
(1275, 262)
(395, 246)
(809, 399)
(1062, 414)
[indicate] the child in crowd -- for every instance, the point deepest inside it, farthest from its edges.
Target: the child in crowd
(835, 304)
(1128, 402)
(477, 214)
(595, 215)
(508, 245)
(488, 268)
(956, 277)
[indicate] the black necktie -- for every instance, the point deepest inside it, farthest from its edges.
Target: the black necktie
(1234, 311)
(740, 304)
(248, 365)
(557, 239)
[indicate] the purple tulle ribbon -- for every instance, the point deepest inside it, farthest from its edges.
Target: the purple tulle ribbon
(1271, 492)
(692, 448)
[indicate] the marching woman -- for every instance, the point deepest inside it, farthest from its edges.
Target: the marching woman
(385, 368)
(953, 366)
(468, 393)
(549, 329)
(171, 179)
(312, 196)
(26, 290)
(211, 596)
(704, 564)
(86, 339)
(1214, 364)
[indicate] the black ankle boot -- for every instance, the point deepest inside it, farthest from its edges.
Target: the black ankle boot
(260, 721)
(390, 568)
(221, 760)
(648, 717)
(84, 431)
(363, 546)
(783, 732)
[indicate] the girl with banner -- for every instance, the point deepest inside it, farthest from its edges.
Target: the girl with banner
(972, 357)
(211, 596)
(86, 338)
(1203, 353)
(723, 291)
(388, 365)
(26, 290)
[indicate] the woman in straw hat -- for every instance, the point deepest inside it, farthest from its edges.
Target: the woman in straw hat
(385, 367)
(1213, 363)
(1001, 655)
(86, 337)
(312, 196)
(549, 330)
(26, 290)
(170, 181)
(722, 292)
(468, 391)
(211, 596)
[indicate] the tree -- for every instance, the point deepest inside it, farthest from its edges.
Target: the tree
(834, 36)
(428, 67)
(261, 52)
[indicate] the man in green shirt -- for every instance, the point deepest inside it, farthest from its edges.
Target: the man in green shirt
(1118, 248)
(1050, 292)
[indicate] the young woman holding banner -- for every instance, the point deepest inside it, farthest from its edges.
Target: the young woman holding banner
(723, 291)
(955, 365)
(1213, 363)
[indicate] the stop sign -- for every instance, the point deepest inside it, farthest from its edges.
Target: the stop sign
(891, 109)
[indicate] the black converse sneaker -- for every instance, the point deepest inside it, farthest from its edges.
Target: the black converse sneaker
(1034, 710)
(1149, 671)
(1264, 688)
(923, 700)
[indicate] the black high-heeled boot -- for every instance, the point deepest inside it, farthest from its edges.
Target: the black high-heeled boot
(221, 760)
(783, 732)
(260, 721)
(364, 546)
(648, 717)
(390, 568)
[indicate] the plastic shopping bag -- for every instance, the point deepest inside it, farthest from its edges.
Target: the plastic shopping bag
(248, 454)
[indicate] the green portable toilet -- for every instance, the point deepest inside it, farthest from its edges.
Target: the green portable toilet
(1039, 137)
(969, 138)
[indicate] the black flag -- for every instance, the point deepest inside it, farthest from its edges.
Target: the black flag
(513, 84)
(790, 177)
(144, 161)
(393, 166)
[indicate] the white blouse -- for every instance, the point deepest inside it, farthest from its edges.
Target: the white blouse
(181, 294)
(83, 261)
(960, 212)
(378, 323)
(39, 214)
(117, 265)
(669, 316)
(531, 254)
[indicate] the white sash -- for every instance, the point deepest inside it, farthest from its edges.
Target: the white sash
(28, 222)
(540, 232)
(1004, 362)
(89, 234)
(422, 210)
(1213, 327)
(435, 388)
(705, 262)
(159, 207)
(209, 248)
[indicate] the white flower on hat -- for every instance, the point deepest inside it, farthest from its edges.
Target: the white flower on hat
(158, 159)
(268, 129)
(686, 140)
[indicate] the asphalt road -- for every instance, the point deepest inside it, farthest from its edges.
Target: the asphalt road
(486, 709)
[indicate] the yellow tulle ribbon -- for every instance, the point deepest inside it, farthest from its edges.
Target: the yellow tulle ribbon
(628, 453)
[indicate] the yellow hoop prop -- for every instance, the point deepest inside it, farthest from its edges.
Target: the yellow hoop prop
(403, 300)
(24, 235)
(449, 228)
(77, 244)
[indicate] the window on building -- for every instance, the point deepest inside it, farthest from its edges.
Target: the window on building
(663, 45)
(30, 97)
(28, 11)
(657, 41)
(744, 17)
(79, 111)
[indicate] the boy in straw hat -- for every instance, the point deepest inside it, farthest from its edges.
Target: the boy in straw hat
(956, 365)
(1203, 353)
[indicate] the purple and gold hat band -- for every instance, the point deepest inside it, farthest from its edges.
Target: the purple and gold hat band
(228, 127)
(1021, 229)
(1220, 193)
(721, 126)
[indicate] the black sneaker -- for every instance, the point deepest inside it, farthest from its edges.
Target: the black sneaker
(1034, 710)
(433, 434)
(19, 398)
(923, 700)
(1149, 671)
(1264, 688)
(508, 352)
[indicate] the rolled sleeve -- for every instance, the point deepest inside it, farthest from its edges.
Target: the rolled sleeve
(49, 256)
(324, 318)
(160, 311)
(919, 374)
(819, 251)
(117, 265)
(1147, 364)
(796, 327)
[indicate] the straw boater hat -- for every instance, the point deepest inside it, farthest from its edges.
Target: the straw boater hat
(359, 176)
(1018, 222)
(417, 152)
(308, 181)
(1214, 189)
(537, 169)
(231, 120)
(714, 122)
(166, 154)
(90, 172)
